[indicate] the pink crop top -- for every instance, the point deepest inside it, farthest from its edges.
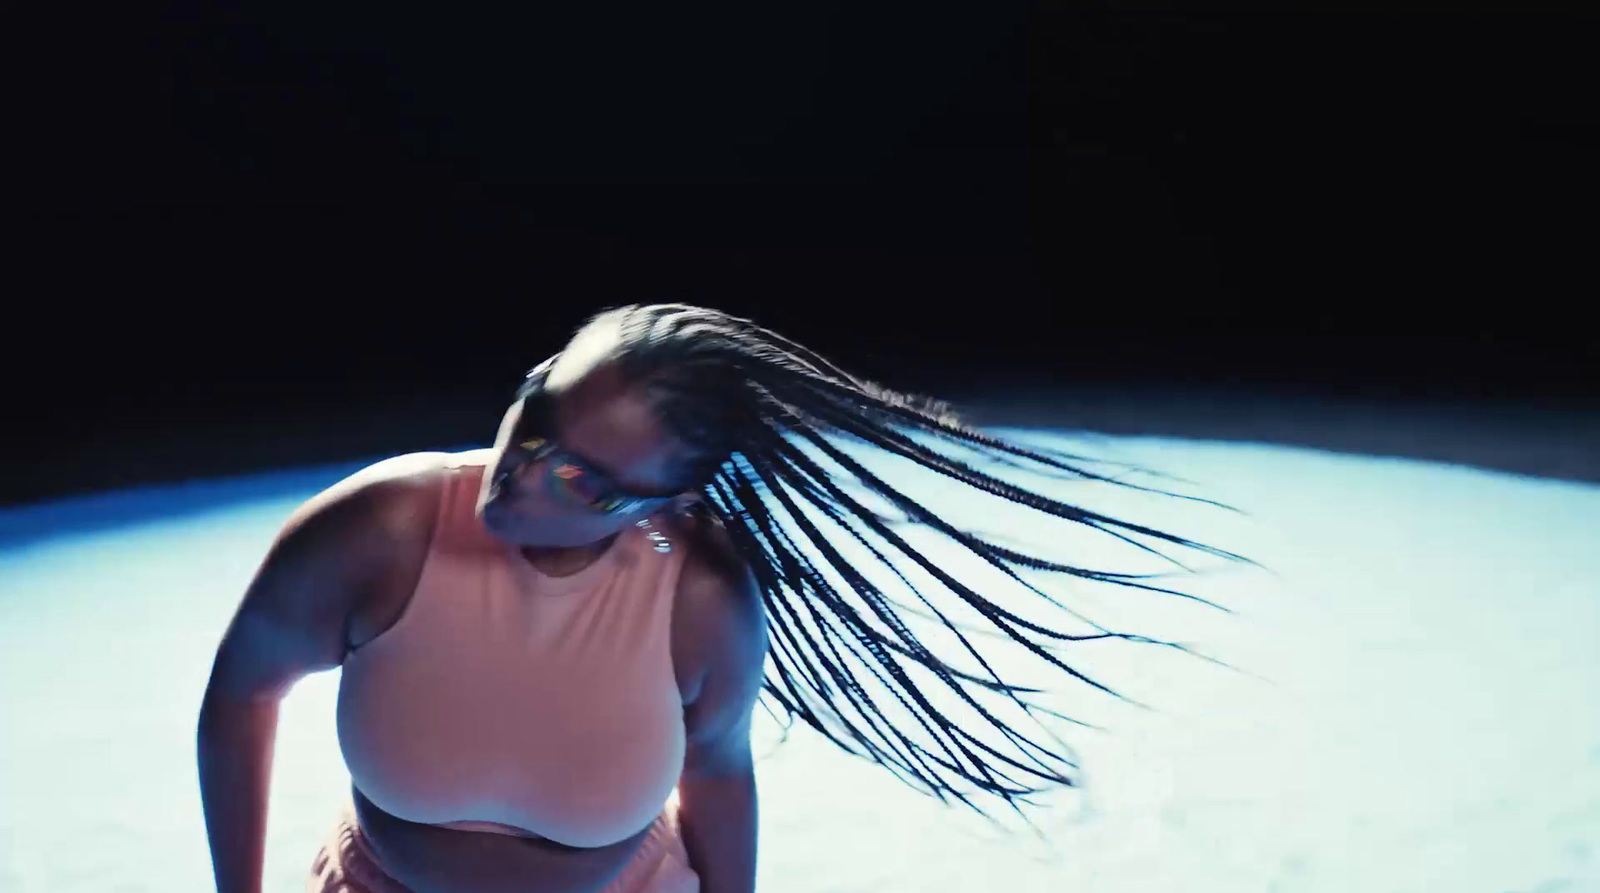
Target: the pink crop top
(506, 700)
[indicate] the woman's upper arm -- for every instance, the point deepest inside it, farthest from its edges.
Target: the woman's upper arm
(731, 626)
(326, 560)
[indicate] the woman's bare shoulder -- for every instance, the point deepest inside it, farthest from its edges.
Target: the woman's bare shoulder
(711, 548)
(395, 494)
(716, 579)
(403, 468)
(725, 621)
(338, 552)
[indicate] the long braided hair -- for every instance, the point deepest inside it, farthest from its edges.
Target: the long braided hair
(762, 415)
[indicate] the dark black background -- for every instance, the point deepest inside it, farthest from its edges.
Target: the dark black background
(262, 233)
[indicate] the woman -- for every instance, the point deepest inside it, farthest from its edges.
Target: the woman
(552, 648)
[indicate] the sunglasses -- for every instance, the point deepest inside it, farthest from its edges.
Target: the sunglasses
(566, 475)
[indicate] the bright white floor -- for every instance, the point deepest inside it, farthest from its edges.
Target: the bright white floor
(1418, 711)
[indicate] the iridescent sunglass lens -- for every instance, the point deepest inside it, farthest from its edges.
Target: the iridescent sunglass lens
(576, 484)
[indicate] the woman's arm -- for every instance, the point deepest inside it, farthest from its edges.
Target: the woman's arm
(717, 791)
(291, 622)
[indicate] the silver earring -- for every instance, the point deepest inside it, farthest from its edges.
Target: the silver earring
(661, 543)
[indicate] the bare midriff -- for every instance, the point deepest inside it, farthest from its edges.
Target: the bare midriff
(462, 860)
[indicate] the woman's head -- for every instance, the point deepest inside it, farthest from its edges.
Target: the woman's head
(581, 454)
(634, 416)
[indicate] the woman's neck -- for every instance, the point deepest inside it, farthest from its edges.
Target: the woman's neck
(562, 561)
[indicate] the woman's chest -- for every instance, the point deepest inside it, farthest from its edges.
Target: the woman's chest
(466, 645)
(568, 723)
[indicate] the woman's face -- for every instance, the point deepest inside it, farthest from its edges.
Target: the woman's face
(607, 425)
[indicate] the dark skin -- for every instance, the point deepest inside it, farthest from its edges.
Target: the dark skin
(343, 571)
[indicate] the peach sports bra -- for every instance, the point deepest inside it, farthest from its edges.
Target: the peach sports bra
(509, 701)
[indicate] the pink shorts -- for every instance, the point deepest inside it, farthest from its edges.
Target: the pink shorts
(346, 864)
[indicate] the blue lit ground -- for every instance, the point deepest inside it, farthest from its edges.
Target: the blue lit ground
(1419, 713)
